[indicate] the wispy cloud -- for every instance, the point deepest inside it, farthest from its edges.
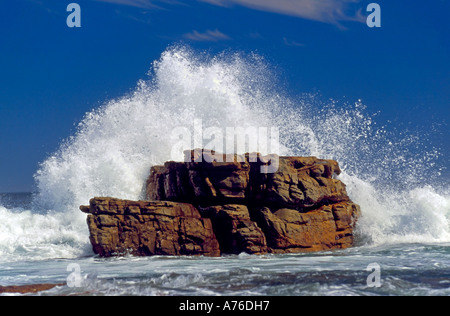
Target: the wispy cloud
(208, 36)
(143, 4)
(292, 43)
(326, 11)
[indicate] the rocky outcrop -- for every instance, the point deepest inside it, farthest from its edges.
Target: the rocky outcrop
(218, 204)
(145, 228)
(299, 182)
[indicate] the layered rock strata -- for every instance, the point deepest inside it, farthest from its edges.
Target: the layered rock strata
(219, 204)
(145, 228)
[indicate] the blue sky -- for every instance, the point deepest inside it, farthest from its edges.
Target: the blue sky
(51, 75)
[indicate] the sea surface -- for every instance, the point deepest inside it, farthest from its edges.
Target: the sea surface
(391, 269)
(403, 236)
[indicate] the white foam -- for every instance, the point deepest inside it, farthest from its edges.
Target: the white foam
(25, 235)
(402, 215)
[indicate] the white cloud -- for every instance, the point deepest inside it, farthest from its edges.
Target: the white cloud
(327, 11)
(208, 36)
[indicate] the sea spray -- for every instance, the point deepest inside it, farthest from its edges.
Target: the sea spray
(116, 145)
(386, 172)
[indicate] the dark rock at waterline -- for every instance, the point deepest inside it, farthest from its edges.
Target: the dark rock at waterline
(29, 288)
(219, 204)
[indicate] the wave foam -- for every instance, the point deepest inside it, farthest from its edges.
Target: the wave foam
(25, 235)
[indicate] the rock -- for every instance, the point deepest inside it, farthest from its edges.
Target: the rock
(199, 182)
(235, 230)
(299, 183)
(147, 228)
(217, 204)
(29, 288)
(328, 227)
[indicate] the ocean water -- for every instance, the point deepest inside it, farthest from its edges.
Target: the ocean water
(403, 236)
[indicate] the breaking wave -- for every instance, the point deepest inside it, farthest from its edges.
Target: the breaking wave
(386, 172)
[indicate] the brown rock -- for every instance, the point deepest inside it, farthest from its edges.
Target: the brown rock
(199, 182)
(298, 207)
(328, 227)
(300, 182)
(30, 288)
(149, 228)
(234, 229)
